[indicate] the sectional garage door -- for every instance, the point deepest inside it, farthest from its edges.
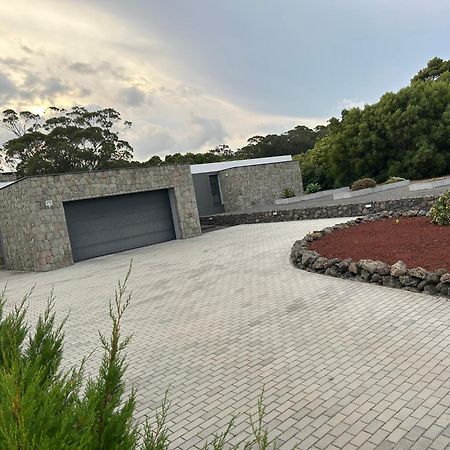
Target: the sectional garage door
(105, 225)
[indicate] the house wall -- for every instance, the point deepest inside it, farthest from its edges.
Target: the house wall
(205, 202)
(245, 187)
(8, 176)
(35, 237)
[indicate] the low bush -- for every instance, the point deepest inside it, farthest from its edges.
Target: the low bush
(288, 193)
(440, 211)
(312, 187)
(44, 407)
(394, 180)
(363, 183)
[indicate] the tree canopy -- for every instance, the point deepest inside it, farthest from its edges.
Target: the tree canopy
(405, 134)
(65, 141)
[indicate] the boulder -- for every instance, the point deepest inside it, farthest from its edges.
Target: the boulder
(344, 264)
(309, 257)
(321, 263)
(418, 272)
(445, 278)
(376, 278)
(442, 288)
(353, 268)
(392, 282)
(430, 289)
(378, 267)
(409, 281)
(365, 275)
(332, 271)
(433, 278)
(398, 269)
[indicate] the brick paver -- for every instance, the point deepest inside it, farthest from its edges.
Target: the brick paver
(344, 364)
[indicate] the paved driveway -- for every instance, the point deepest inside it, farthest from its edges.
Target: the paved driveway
(345, 365)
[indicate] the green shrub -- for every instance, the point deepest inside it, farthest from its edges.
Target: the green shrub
(363, 183)
(312, 187)
(288, 193)
(394, 180)
(44, 407)
(440, 211)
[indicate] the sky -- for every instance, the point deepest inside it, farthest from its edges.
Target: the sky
(193, 74)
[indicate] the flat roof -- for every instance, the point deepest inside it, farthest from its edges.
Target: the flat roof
(6, 183)
(218, 166)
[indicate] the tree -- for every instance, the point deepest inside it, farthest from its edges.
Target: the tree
(292, 142)
(405, 134)
(66, 140)
(435, 68)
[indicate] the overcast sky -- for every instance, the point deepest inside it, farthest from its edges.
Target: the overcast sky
(193, 74)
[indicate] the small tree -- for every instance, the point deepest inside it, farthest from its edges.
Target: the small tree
(44, 407)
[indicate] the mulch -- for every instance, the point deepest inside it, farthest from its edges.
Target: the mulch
(413, 240)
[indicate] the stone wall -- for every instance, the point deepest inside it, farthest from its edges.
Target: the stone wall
(320, 212)
(249, 186)
(35, 237)
(398, 275)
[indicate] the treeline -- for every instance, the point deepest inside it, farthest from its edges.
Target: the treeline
(293, 142)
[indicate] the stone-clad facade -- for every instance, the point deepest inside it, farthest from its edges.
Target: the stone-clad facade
(34, 235)
(8, 176)
(248, 186)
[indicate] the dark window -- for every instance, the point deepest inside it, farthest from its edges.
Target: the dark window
(215, 190)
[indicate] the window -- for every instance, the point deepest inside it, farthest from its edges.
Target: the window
(215, 190)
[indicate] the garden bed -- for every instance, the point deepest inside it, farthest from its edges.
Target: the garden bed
(402, 251)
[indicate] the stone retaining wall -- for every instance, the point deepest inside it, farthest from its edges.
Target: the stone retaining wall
(399, 276)
(321, 212)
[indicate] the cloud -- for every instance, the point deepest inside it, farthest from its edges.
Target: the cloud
(348, 103)
(73, 54)
(132, 96)
(82, 68)
(7, 88)
(206, 131)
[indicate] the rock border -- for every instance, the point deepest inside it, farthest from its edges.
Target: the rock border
(398, 276)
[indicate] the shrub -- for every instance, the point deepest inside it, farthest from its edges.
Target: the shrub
(394, 180)
(363, 183)
(43, 407)
(312, 187)
(440, 211)
(288, 193)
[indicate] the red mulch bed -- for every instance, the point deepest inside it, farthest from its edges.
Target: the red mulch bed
(413, 240)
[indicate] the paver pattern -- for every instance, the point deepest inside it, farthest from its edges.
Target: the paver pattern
(345, 364)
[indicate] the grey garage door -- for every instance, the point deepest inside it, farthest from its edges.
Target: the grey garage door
(105, 225)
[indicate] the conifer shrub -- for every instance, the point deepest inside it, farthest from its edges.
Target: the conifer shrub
(43, 406)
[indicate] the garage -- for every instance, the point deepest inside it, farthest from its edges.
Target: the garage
(104, 225)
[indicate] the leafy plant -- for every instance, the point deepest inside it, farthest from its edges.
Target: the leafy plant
(312, 187)
(363, 183)
(44, 407)
(288, 193)
(394, 180)
(440, 211)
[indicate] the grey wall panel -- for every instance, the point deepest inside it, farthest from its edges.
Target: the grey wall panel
(105, 225)
(203, 195)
